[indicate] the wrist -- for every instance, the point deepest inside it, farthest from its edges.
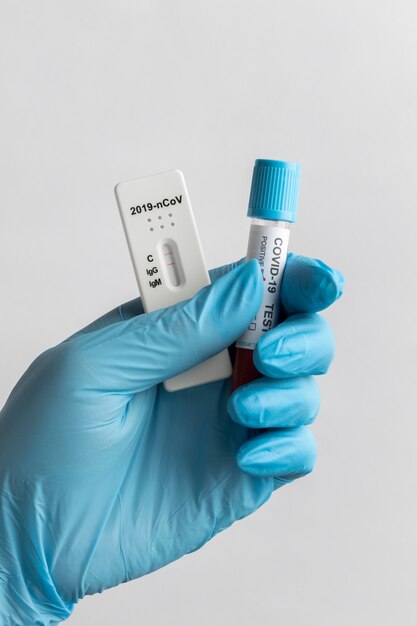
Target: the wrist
(27, 592)
(19, 608)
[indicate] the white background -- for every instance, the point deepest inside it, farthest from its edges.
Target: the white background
(98, 91)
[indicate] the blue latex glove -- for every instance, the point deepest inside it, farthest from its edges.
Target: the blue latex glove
(105, 477)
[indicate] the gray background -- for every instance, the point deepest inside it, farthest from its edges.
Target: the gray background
(94, 92)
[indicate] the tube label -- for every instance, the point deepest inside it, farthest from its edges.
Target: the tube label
(269, 245)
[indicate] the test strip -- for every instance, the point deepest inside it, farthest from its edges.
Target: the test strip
(167, 256)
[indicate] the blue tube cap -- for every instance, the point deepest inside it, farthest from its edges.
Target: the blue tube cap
(274, 191)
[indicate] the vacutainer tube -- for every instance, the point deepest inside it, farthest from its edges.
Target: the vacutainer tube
(273, 207)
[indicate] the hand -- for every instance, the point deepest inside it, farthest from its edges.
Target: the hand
(105, 477)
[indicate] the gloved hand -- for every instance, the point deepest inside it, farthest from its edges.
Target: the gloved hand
(105, 477)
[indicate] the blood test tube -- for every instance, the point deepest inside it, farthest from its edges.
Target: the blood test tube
(272, 208)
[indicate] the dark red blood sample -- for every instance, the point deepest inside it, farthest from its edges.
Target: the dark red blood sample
(244, 370)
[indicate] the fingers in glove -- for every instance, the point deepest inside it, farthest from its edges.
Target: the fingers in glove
(269, 403)
(309, 285)
(302, 345)
(281, 453)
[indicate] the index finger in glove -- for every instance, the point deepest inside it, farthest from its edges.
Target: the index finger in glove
(309, 285)
(302, 345)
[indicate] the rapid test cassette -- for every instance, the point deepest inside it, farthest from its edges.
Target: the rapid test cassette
(167, 256)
